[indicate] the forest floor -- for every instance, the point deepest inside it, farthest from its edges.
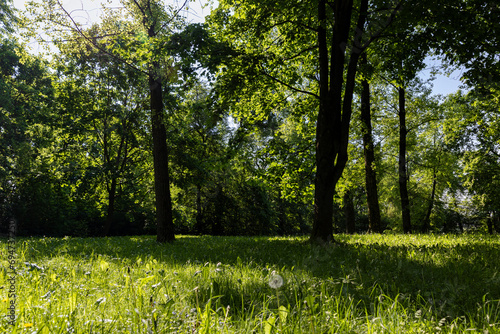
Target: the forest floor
(363, 284)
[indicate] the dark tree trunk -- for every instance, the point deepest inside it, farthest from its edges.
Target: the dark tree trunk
(496, 221)
(403, 177)
(369, 154)
(164, 221)
(163, 201)
(282, 220)
(219, 212)
(426, 224)
(335, 109)
(110, 214)
(489, 223)
(349, 213)
(199, 215)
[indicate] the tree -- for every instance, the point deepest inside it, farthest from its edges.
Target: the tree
(478, 26)
(26, 113)
(7, 17)
(197, 153)
(472, 131)
(142, 47)
(401, 55)
(369, 154)
(312, 51)
(403, 175)
(99, 95)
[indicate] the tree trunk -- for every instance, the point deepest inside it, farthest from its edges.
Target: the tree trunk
(111, 208)
(219, 212)
(199, 215)
(282, 220)
(335, 109)
(403, 177)
(489, 223)
(496, 221)
(163, 201)
(426, 224)
(349, 213)
(369, 154)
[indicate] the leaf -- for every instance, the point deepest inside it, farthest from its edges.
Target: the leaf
(269, 324)
(283, 314)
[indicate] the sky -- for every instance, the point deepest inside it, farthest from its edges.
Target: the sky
(443, 84)
(89, 10)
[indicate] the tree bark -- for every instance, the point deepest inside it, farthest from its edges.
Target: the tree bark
(403, 177)
(349, 213)
(163, 201)
(199, 215)
(369, 154)
(489, 223)
(111, 208)
(496, 221)
(335, 109)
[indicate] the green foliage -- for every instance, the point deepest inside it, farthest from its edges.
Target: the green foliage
(366, 284)
(102, 131)
(478, 27)
(428, 156)
(75, 132)
(8, 19)
(473, 133)
(25, 132)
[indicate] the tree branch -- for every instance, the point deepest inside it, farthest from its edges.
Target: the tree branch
(175, 15)
(378, 34)
(297, 23)
(94, 44)
(301, 52)
(288, 85)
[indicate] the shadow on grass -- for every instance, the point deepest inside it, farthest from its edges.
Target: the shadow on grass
(452, 277)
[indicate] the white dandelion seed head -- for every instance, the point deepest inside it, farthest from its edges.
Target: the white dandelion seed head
(276, 281)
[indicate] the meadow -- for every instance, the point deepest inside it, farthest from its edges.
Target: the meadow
(362, 284)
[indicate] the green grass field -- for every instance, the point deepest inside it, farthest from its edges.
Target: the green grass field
(364, 284)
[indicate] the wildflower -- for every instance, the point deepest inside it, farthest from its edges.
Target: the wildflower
(28, 325)
(276, 281)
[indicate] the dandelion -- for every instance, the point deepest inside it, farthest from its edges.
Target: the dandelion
(276, 281)
(28, 325)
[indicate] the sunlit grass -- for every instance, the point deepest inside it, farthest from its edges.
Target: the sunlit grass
(364, 284)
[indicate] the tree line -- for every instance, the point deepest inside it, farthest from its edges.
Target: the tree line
(272, 117)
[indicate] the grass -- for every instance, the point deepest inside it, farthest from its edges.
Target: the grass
(365, 284)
